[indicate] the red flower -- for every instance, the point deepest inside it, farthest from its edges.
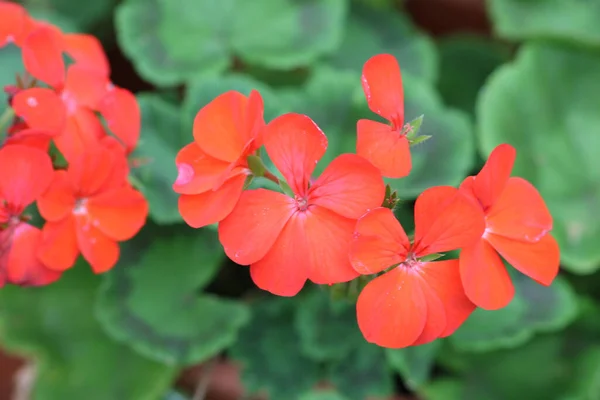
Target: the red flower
(213, 168)
(517, 226)
(69, 112)
(416, 301)
(386, 146)
(15, 23)
(89, 208)
(26, 174)
(288, 240)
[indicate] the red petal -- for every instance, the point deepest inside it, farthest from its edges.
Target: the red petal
(295, 144)
(37, 138)
(122, 113)
(58, 250)
(282, 271)
(540, 261)
(42, 56)
(349, 186)
(218, 126)
(40, 108)
(379, 242)
(26, 174)
(519, 213)
(119, 213)
(96, 170)
(197, 171)
(59, 200)
(255, 122)
(99, 251)
(484, 277)
(248, 233)
(392, 310)
(82, 131)
(212, 206)
(489, 183)
(382, 83)
(443, 277)
(23, 266)
(445, 220)
(385, 148)
(86, 87)
(14, 22)
(87, 52)
(328, 235)
(435, 323)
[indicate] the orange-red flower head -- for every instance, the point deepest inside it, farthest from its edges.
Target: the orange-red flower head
(416, 301)
(212, 169)
(89, 208)
(517, 225)
(384, 145)
(287, 240)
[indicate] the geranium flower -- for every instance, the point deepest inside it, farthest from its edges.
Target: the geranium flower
(26, 174)
(289, 239)
(89, 208)
(385, 145)
(213, 168)
(517, 226)
(415, 301)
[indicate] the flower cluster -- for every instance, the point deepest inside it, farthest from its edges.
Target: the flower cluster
(340, 226)
(56, 153)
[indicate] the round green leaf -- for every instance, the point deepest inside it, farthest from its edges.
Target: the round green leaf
(465, 64)
(172, 41)
(160, 141)
(55, 326)
(152, 303)
(81, 15)
(448, 156)
(372, 31)
(534, 309)
(268, 351)
(414, 364)
(572, 21)
(327, 328)
(546, 104)
(362, 373)
(323, 395)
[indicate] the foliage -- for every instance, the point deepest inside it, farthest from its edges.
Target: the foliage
(174, 300)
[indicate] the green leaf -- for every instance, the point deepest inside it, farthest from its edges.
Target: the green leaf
(153, 305)
(586, 384)
(448, 156)
(10, 65)
(327, 328)
(173, 41)
(269, 353)
(465, 64)
(160, 141)
(534, 309)
(362, 373)
(546, 104)
(55, 326)
(82, 15)
(572, 21)
(323, 395)
(373, 31)
(414, 364)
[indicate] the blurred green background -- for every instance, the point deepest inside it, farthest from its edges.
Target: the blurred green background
(524, 72)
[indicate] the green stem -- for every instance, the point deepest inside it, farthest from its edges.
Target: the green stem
(5, 120)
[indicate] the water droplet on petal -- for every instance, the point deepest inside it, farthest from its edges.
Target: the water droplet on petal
(32, 102)
(185, 174)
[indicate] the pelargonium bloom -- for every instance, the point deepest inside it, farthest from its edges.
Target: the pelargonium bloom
(26, 174)
(517, 226)
(213, 168)
(385, 145)
(415, 301)
(289, 239)
(89, 208)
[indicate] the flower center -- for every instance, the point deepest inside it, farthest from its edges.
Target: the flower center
(301, 203)
(80, 207)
